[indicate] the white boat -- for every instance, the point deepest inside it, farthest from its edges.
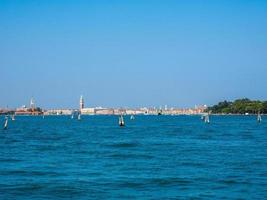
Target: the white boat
(6, 123)
(79, 117)
(13, 117)
(72, 116)
(121, 121)
(132, 117)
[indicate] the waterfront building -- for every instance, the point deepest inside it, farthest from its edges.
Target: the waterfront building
(32, 110)
(88, 111)
(130, 111)
(59, 112)
(5, 111)
(104, 111)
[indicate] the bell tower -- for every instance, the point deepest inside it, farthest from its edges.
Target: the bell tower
(81, 103)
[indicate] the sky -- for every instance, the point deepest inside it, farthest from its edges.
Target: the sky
(132, 53)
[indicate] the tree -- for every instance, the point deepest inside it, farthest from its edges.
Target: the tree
(239, 106)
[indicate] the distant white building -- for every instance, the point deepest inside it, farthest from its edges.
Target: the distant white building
(87, 111)
(165, 107)
(59, 112)
(104, 111)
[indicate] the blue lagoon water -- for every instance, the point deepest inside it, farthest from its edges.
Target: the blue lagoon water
(152, 157)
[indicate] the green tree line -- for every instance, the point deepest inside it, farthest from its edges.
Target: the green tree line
(239, 106)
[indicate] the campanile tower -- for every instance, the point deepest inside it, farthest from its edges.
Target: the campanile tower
(81, 103)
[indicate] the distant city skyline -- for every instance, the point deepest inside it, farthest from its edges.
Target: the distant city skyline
(81, 105)
(132, 53)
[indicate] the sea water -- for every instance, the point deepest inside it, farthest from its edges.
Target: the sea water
(152, 157)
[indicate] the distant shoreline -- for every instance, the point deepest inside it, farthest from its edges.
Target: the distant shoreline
(212, 114)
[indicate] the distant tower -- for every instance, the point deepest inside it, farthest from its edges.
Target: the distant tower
(32, 104)
(81, 103)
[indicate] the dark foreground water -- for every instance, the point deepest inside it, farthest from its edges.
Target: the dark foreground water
(153, 157)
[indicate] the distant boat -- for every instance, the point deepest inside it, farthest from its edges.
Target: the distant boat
(121, 121)
(132, 117)
(202, 117)
(6, 123)
(259, 118)
(13, 117)
(207, 119)
(79, 117)
(72, 116)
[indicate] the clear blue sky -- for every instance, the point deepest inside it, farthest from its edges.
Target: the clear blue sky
(132, 53)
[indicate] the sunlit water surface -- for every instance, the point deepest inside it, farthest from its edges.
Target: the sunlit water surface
(152, 157)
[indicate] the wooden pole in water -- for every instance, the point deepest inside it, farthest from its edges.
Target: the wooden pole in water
(6, 123)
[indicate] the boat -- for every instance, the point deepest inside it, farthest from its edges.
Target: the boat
(6, 123)
(121, 121)
(13, 117)
(79, 117)
(72, 116)
(132, 117)
(259, 118)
